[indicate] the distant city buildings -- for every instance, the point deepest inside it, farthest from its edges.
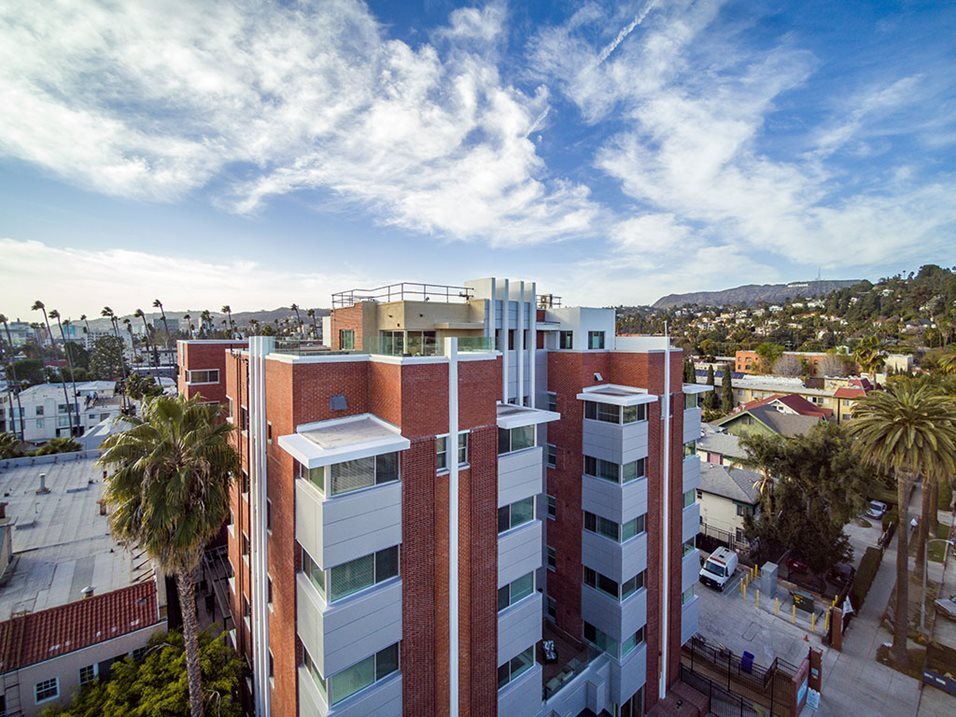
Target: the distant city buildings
(46, 414)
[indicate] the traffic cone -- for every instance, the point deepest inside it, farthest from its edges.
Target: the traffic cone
(806, 637)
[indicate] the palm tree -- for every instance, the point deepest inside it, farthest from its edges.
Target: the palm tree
(315, 329)
(764, 454)
(227, 310)
(169, 493)
(157, 304)
(947, 363)
(36, 334)
(186, 318)
(54, 314)
(108, 312)
(86, 329)
(206, 319)
(298, 319)
(140, 315)
(39, 306)
(909, 430)
(13, 387)
(869, 355)
(254, 323)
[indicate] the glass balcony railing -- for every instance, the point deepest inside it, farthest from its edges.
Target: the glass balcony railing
(387, 346)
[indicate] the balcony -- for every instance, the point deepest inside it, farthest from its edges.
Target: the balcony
(692, 424)
(619, 502)
(336, 530)
(383, 699)
(404, 291)
(522, 696)
(520, 475)
(519, 552)
(628, 675)
(349, 630)
(689, 617)
(618, 561)
(690, 522)
(615, 442)
(691, 471)
(615, 619)
(519, 625)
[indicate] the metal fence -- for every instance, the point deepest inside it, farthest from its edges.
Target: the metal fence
(722, 702)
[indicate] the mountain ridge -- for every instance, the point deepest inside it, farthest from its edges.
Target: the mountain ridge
(751, 294)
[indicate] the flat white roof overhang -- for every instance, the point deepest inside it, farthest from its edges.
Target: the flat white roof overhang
(342, 439)
(617, 395)
(512, 416)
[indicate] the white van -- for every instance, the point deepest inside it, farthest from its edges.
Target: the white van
(719, 568)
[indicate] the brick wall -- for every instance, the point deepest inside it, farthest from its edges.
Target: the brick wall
(198, 355)
(350, 317)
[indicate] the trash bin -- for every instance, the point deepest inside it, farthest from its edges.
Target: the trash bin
(747, 662)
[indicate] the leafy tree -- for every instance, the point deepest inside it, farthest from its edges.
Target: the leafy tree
(869, 355)
(788, 365)
(690, 374)
(57, 445)
(157, 686)
(139, 387)
(768, 353)
(78, 355)
(710, 398)
(29, 372)
(907, 430)
(106, 358)
(9, 446)
(727, 390)
(169, 493)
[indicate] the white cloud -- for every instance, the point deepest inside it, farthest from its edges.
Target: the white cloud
(155, 101)
(76, 281)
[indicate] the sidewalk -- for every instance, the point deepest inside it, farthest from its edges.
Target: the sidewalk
(934, 702)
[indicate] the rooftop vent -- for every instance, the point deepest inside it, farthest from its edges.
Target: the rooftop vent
(87, 592)
(338, 402)
(42, 490)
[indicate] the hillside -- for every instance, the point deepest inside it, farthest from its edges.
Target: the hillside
(752, 294)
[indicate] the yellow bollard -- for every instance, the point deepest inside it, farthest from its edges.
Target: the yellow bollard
(776, 608)
(826, 621)
(745, 593)
(758, 598)
(794, 616)
(813, 621)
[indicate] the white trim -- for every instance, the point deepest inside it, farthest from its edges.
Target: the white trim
(505, 305)
(532, 349)
(312, 455)
(519, 345)
(691, 388)
(665, 543)
(407, 360)
(331, 358)
(451, 349)
(526, 417)
(634, 397)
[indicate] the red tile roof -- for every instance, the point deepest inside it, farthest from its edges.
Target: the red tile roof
(39, 636)
(796, 403)
(849, 392)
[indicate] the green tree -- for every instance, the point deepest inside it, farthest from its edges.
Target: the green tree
(29, 372)
(9, 446)
(727, 390)
(769, 353)
(39, 306)
(690, 374)
(711, 401)
(139, 387)
(106, 358)
(78, 355)
(169, 493)
(869, 355)
(907, 430)
(157, 685)
(57, 445)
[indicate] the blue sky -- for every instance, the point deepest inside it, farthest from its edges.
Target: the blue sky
(256, 154)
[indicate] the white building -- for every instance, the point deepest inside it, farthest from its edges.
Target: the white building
(46, 412)
(726, 496)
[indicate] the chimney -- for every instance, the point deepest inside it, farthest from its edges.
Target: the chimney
(87, 592)
(42, 490)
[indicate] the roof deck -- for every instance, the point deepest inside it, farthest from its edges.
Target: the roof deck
(404, 291)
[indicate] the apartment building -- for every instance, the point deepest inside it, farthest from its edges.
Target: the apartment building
(46, 414)
(466, 475)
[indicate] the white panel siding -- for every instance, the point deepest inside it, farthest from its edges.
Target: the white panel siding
(690, 569)
(689, 616)
(628, 676)
(519, 626)
(520, 475)
(617, 619)
(351, 629)
(519, 552)
(619, 503)
(619, 561)
(691, 424)
(346, 527)
(614, 442)
(690, 522)
(691, 470)
(521, 696)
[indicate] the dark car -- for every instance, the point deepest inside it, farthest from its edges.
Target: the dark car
(795, 566)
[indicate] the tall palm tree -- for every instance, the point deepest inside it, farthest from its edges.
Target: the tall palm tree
(315, 329)
(298, 319)
(39, 306)
(140, 315)
(157, 304)
(764, 455)
(206, 319)
(111, 315)
(13, 384)
(187, 318)
(869, 355)
(169, 493)
(254, 323)
(227, 310)
(909, 430)
(36, 334)
(54, 314)
(947, 363)
(86, 329)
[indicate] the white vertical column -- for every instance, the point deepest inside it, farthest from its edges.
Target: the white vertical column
(532, 349)
(259, 348)
(519, 343)
(666, 487)
(451, 451)
(505, 306)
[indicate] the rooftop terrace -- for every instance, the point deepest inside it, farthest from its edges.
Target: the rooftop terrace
(404, 291)
(60, 541)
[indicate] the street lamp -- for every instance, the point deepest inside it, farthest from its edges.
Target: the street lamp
(922, 611)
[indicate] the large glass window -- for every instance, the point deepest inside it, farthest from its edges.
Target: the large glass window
(441, 451)
(315, 475)
(689, 498)
(601, 641)
(354, 475)
(565, 339)
(594, 579)
(516, 590)
(600, 468)
(515, 667)
(515, 439)
(309, 664)
(346, 683)
(632, 414)
(615, 531)
(690, 400)
(347, 339)
(595, 339)
(203, 376)
(631, 643)
(518, 513)
(690, 449)
(314, 573)
(421, 343)
(361, 573)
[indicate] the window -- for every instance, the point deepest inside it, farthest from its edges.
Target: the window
(602, 412)
(354, 475)
(41, 422)
(351, 680)
(511, 339)
(552, 455)
(595, 339)
(632, 414)
(515, 439)
(63, 421)
(551, 609)
(515, 667)
(244, 478)
(393, 343)
(552, 507)
(552, 401)
(594, 579)
(347, 339)
(690, 449)
(39, 410)
(743, 510)
(269, 431)
(700, 494)
(210, 375)
(442, 451)
(600, 640)
(552, 558)
(245, 544)
(689, 498)
(230, 408)
(312, 571)
(243, 418)
(47, 690)
(361, 573)
(613, 472)
(87, 675)
(269, 590)
(521, 588)
(565, 339)
(615, 531)
(518, 513)
(272, 666)
(690, 400)
(687, 595)
(268, 515)
(631, 643)
(421, 343)
(688, 547)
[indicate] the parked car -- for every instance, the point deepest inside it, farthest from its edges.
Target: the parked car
(877, 509)
(947, 606)
(796, 566)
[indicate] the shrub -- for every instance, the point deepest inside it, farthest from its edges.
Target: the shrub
(865, 574)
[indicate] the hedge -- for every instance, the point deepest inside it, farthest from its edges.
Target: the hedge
(865, 574)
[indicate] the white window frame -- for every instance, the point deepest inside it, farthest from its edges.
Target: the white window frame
(56, 690)
(190, 372)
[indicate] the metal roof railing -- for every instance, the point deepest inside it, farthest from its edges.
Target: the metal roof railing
(405, 291)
